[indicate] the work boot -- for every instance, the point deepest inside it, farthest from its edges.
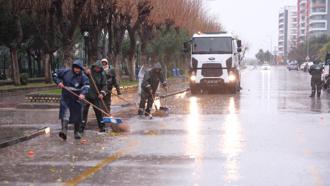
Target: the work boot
(318, 95)
(147, 112)
(312, 95)
(140, 112)
(102, 128)
(64, 131)
(77, 127)
(77, 135)
(82, 128)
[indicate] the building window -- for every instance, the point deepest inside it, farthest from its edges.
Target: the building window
(319, 10)
(318, 25)
(318, 17)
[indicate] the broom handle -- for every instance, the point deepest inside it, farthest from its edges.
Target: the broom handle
(121, 98)
(94, 106)
(97, 91)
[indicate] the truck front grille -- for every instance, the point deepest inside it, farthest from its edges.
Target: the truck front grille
(211, 70)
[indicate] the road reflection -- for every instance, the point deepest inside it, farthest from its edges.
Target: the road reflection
(266, 84)
(316, 105)
(193, 148)
(231, 143)
(194, 140)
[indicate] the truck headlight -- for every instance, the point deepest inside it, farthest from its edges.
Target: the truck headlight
(232, 77)
(193, 78)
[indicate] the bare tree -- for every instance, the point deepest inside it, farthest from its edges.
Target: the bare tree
(68, 14)
(13, 36)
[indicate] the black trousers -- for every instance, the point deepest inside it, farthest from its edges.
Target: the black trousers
(145, 97)
(316, 84)
(98, 113)
(107, 101)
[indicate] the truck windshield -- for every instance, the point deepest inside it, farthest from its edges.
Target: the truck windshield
(212, 45)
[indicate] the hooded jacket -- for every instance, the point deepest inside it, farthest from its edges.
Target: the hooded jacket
(112, 81)
(316, 71)
(151, 80)
(79, 84)
(76, 82)
(100, 81)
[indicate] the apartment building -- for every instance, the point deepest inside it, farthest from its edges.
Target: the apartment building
(313, 18)
(288, 24)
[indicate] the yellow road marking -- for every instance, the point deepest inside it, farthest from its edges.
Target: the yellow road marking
(91, 171)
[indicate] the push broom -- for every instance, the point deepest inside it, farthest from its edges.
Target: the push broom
(107, 119)
(118, 127)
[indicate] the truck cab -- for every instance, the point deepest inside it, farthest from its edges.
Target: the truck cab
(215, 62)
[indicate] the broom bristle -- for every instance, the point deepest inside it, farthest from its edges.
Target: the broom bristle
(160, 113)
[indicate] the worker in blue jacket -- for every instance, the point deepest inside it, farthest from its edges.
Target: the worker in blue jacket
(71, 106)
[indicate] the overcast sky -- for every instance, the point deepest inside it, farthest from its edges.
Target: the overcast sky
(255, 21)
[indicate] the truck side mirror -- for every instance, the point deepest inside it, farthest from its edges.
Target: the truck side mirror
(239, 43)
(186, 46)
(327, 59)
(327, 62)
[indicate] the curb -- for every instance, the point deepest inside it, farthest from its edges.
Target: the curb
(34, 134)
(38, 106)
(23, 90)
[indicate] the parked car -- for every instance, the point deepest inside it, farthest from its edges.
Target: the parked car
(305, 66)
(265, 67)
(293, 66)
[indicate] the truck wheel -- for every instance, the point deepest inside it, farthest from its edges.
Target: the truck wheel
(239, 86)
(194, 90)
(232, 89)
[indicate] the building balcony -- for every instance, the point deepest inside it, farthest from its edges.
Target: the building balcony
(314, 21)
(318, 13)
(318, 5)
(302, 2)
(316, 29)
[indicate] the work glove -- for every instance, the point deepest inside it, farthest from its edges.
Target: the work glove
(60, 85)
(81, 97)
(87, 71)
(101, 96)
(164, 85)
(150, 92)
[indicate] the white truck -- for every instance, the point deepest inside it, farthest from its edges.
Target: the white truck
(215, 62)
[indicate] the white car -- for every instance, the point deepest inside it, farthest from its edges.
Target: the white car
(305, 66)
(265, 67)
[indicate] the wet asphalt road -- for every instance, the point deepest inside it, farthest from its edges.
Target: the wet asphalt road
(271, 133)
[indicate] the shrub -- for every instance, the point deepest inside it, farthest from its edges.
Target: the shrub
(24, 78)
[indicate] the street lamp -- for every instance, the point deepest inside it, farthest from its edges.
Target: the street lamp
(307, 47)
(3, 75)
(138, 53)
(86, 35)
